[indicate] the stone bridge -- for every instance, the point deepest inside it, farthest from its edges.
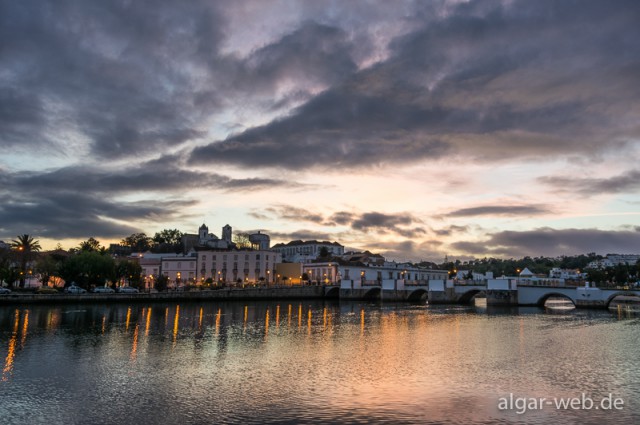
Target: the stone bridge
(579, 296)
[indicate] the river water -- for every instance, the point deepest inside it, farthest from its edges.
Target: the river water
(314, 362)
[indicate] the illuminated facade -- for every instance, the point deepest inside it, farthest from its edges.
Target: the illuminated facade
(243, 266)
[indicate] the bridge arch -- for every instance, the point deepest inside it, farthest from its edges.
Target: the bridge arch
(617, 294)
(372, 294)
(468, 296)
(418, 295)
(543, 299)
(332, 292)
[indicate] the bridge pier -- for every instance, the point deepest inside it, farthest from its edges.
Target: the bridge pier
(502, 297)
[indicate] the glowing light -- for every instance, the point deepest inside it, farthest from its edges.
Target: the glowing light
(134, 347)
(126, 326)
(11, 352)
(176, 320)
(148, 322)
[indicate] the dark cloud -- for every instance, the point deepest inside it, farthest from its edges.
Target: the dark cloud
(552, 242)
(288, 212)
(501, 210)
(151, 176)
(408, 250)
(403, 224)
(628, 182)
(491, 80)
(397, 223)
(302, 234)
(85, 201)
(341, 218)
(66, 214)
(451, 230)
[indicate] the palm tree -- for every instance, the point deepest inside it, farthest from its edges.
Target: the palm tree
(25, 245)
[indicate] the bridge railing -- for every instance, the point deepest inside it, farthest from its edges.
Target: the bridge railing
(470, 282)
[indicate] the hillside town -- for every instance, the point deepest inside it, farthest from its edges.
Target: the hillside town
(173, 260)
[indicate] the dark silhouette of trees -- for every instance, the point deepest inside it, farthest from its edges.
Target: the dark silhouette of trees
(25, 246)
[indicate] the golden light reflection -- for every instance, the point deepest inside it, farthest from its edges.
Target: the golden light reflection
(246, 315)
(200, 319)
(104, 323)
(175, 324)
(324, 318)
(362, 322)
(134, 347)
(11, 352)
(126, 326)
(299, 315)
(309, 321)
(289, 317)
(25, 325)
(166, 317)
(277, 316)
(147, 325)
(218, 317)
(266, 324)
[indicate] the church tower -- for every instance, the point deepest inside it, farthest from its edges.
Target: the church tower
(203, 233)
(226, 233)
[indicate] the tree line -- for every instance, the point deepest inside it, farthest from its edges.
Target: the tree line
(88, 264)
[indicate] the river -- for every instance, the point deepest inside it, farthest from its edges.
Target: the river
(315, 362)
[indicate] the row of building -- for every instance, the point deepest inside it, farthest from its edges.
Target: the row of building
(212, 260)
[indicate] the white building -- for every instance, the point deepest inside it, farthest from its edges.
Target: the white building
(179, 270)
(306, 251)
(558, 273)
(237, 266)
(332, 273)
(260, 241)
(613, 260)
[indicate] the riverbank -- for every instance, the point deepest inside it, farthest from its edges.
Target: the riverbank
(227, 294)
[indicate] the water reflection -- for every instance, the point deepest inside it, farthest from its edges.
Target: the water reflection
(348, 362)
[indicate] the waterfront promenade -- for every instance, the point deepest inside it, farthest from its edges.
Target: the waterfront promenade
(230, 294)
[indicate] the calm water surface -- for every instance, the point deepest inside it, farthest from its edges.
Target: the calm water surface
(310, 362)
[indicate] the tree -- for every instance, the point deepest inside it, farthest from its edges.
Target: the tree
(91, 244)
(25, 245)
(161, 283)
(242, 240)
(47, 267)
(9, 273)
(324, 252)
(130, 271)
(167, 240)
(138, 242)
(88, 268)
(168, 236)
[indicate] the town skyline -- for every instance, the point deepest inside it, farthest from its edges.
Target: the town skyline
(411, 129)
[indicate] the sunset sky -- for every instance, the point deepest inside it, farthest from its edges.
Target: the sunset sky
(416, 129)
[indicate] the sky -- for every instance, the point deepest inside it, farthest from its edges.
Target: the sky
(416, 129)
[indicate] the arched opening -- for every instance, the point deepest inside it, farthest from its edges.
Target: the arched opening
(333, 292)
(468, 297)
(624, 299)
(557, 300)
(372, 294)
(418, 296)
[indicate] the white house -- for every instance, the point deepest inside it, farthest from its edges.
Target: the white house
(332, 273)
(306, 251)
(236, 266)
(179, 270)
